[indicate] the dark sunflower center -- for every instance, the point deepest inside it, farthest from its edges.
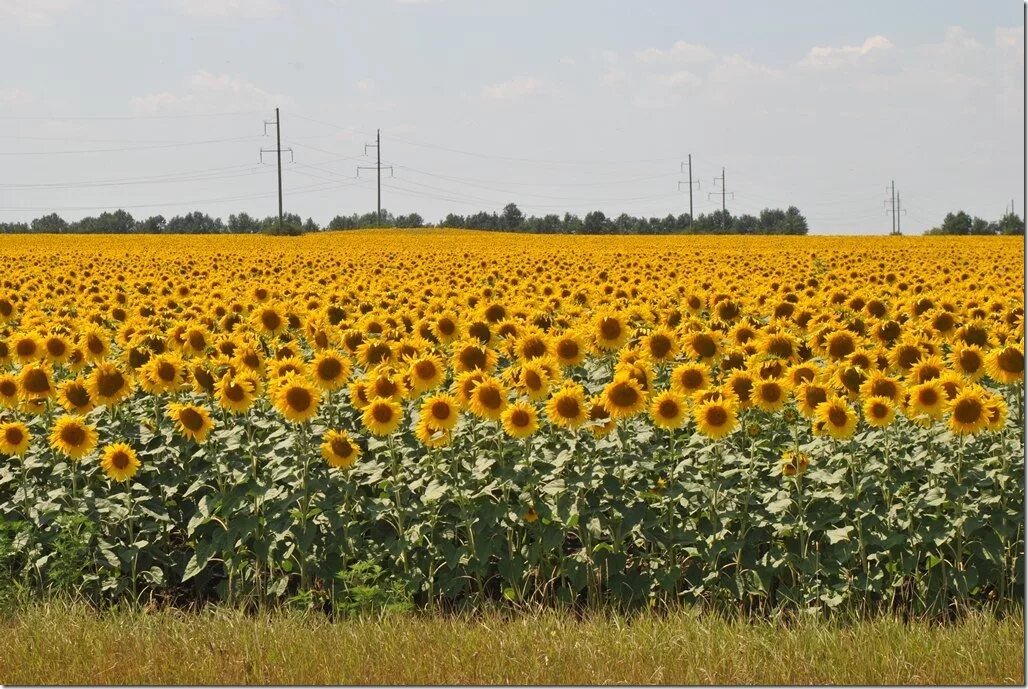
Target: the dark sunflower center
(36, 381)
(110, 383)
(837, 417)
(299, 399)
(383, 413)
(73, 435)
(441, 410)
(191, 419)
(520, 418)
(704, 346)
(330, 368)
(668, 409)
(568, 408)
(14, 435)
(623, 395)
(610, 328)
(489, 397)
(1011, 361)
(968, 411)
(717, 416)
(120, 460)
(341, 447)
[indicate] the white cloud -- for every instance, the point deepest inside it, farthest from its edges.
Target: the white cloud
(568, 60)
(241, 9)
(736, 68)
(34, 12)
(365, 84)
(514, 89)
(826, 56)
(679, 52)
(205, 92)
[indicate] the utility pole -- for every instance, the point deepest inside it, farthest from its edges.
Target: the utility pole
(278, 154)
(891, 189)
(724, 193)
(896, 211)
(681, 169)
(378, 168)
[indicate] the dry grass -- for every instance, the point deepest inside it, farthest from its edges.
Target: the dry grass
(55, 643)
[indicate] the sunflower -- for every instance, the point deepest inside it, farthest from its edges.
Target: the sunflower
(488, 399)
(236, 393)
(1006, 364)
(472, 356)
(741, 384)
(382, 416)
(770, 395)
(520, 420)
(928, 399)
(533, 379)
(339, 450)
(570, 348)
(57, 348)
(624, 397)
(667, 410)
(835, 418)
(610, 331)
(660, 344)
(163, 373)
(531, 344)
(26, 348)
(926, 369)
(192, 421)
(74, 396)
(968, 412)
(441, 412)
(879, 384)
(446, 327)
(119, 462)
(566, 406)
(879, 411)
(996, 411)
(715, 418)
(36, 381)
(801, 373)
(270, 320)
(9, 390)
(968, 361)
(330, 370)
(432, 437)
(688, 378)
(426, 373)
(702, 345)
(780, 345)
(599, 421)
(794, 463)
(14, 438)
(359, 398)
(108, 385)
(296, 399)
(72, 437)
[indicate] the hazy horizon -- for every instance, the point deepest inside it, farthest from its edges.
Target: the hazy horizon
(159, 108)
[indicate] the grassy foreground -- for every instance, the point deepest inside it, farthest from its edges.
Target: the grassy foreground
(45, 644)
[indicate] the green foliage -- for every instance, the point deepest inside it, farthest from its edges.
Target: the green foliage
(906, 518)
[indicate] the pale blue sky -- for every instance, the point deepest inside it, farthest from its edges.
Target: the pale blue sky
(555, 105)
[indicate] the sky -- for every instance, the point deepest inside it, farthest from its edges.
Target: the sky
(159, 106)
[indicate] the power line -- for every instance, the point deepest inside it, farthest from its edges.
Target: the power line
(129, 148)
(59, 118)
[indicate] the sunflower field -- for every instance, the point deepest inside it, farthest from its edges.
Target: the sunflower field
(449, 418)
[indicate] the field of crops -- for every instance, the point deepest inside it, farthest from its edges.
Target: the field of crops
(448, 418)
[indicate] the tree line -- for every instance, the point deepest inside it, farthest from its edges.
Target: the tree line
(510, 219)
(960, 223)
